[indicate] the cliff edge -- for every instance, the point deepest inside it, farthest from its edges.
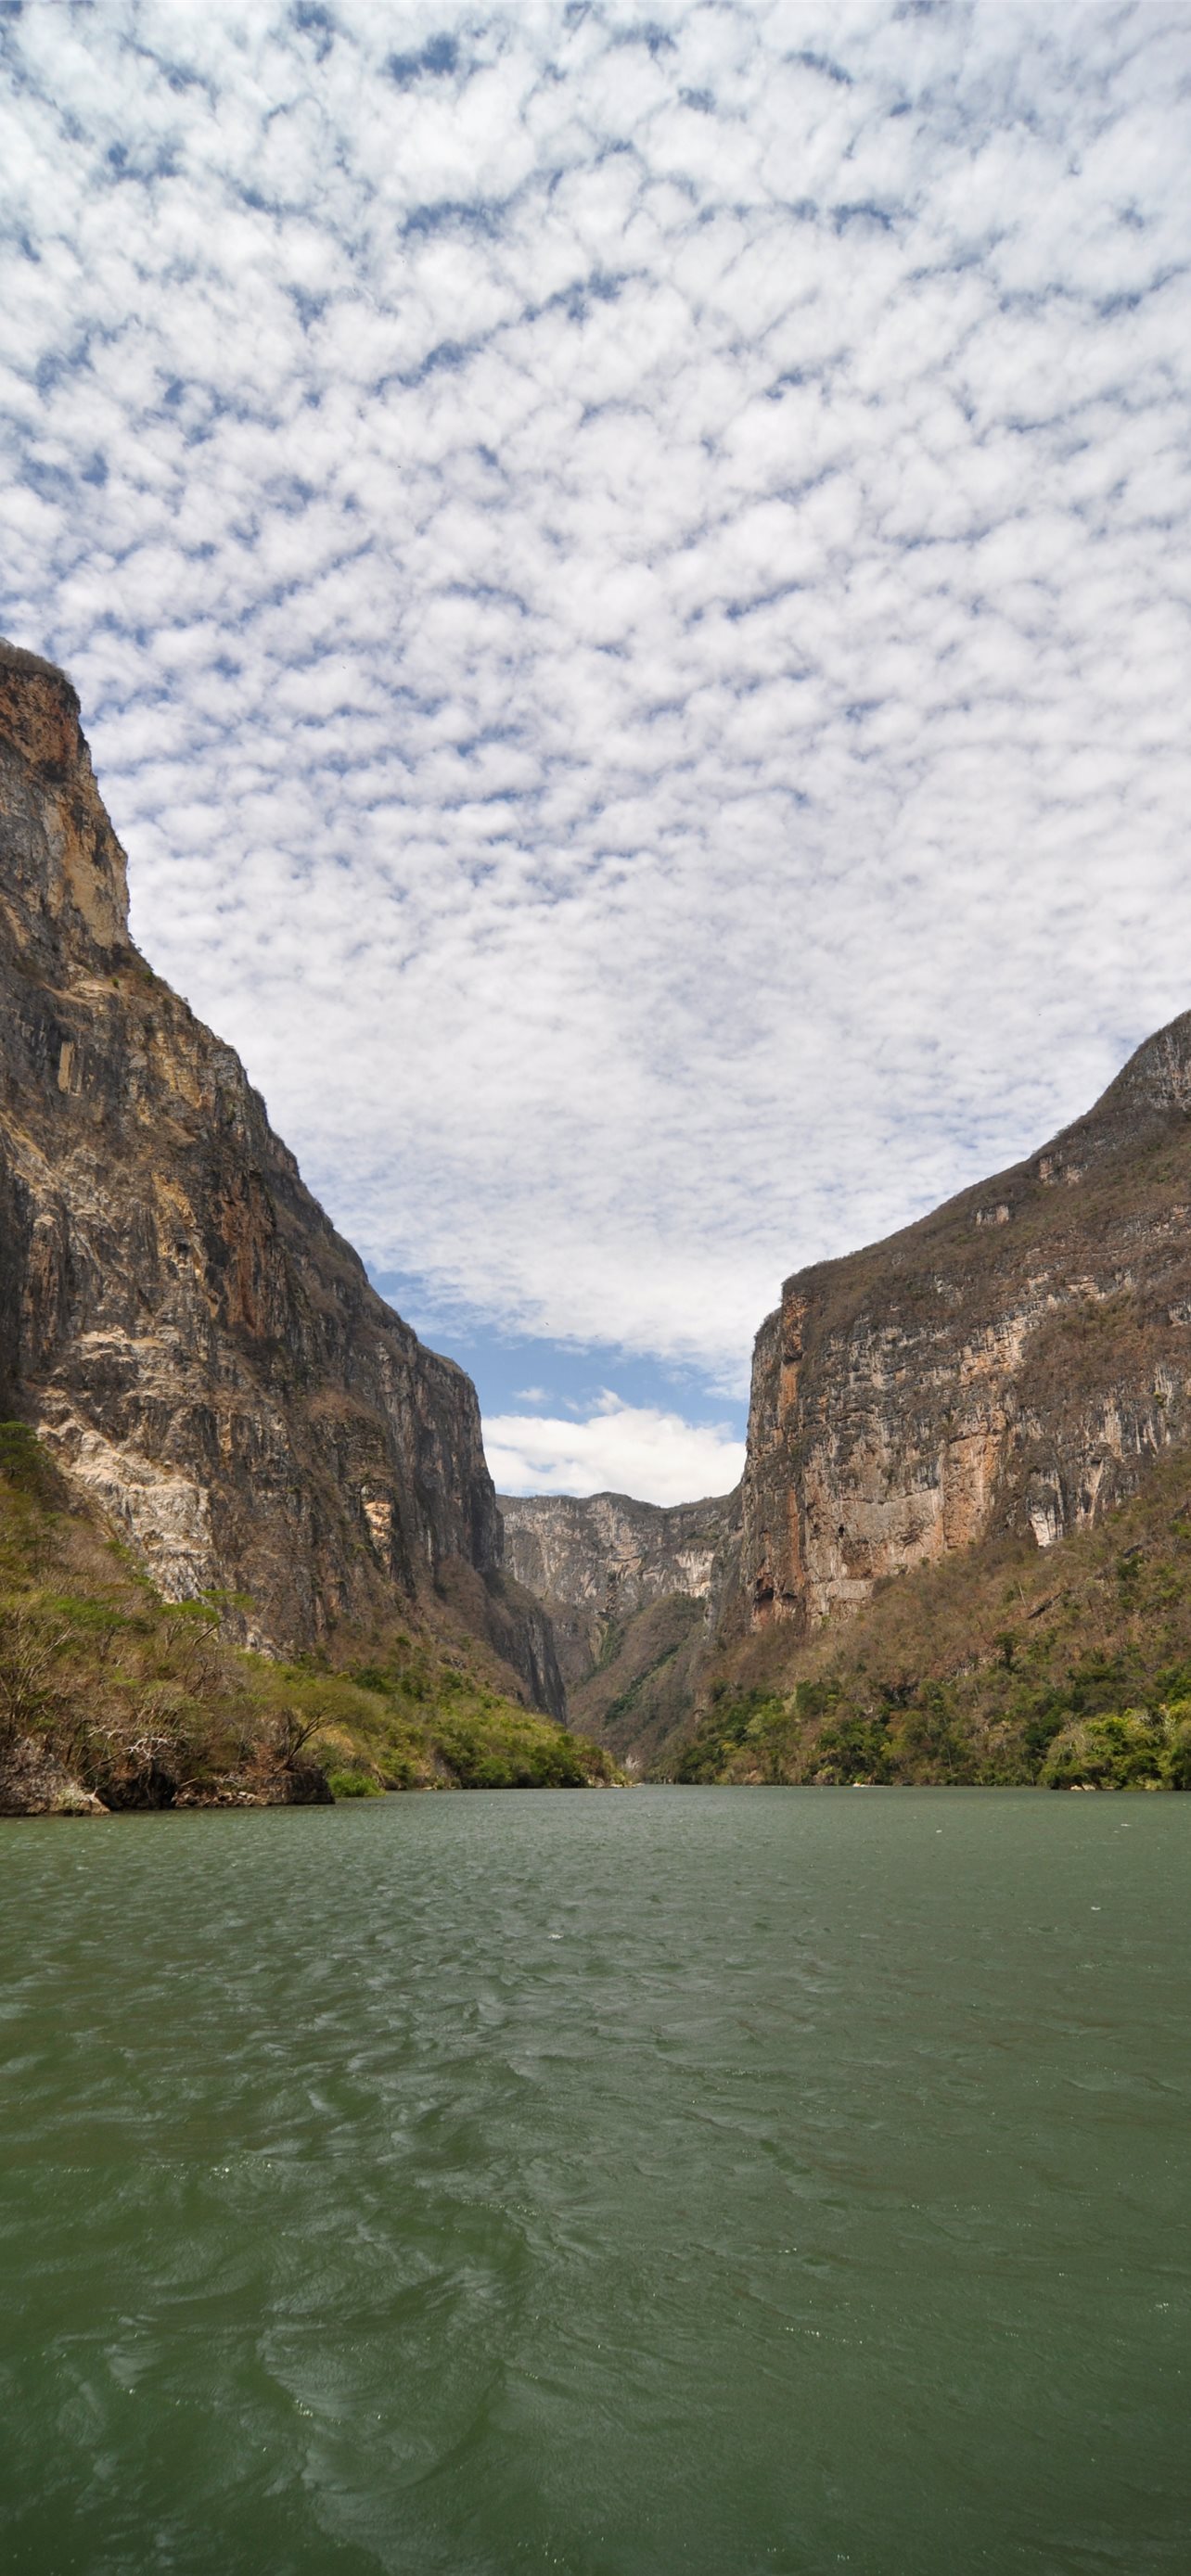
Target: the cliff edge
(178, 1318)
(1010, 1364)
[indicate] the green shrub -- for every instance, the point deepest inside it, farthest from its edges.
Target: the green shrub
(1132, 1749)
(354, 1784)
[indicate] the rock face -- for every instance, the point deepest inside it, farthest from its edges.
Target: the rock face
(1010, 1362)
(628, 1587)
(604, 1557)
(177, 1316)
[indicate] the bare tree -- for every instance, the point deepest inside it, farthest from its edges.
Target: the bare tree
(27, 1652)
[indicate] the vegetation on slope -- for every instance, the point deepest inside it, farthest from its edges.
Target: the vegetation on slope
(642, 1685)
(1070, 1668)
(110, 1695)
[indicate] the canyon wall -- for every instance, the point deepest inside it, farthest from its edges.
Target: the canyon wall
(598, 1559)
(628, 1588)
(1011, 1362)
(178, 1318)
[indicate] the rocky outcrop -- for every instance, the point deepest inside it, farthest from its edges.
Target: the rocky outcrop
(34, 1783)
(628, 1588)
(178, 1318)
(1009, 1363)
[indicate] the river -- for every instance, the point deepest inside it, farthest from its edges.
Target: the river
(671, 2182)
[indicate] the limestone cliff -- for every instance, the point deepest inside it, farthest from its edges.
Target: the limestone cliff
(1010, 1363)
(628, 1587)
(178, 1317)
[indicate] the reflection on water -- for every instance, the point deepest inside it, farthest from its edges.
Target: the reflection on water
(711, 2181)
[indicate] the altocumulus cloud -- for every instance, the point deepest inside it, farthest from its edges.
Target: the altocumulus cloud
(630, 580)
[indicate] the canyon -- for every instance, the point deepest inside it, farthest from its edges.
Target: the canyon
(629, 1589)
(204, 1360)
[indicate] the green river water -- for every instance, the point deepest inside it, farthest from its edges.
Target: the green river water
(700, 2180)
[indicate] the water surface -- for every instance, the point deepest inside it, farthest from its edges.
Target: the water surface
(713, 2181)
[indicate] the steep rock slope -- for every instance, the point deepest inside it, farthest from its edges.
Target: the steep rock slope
(1008, 1364)
(178, 1318)
(627, 1587)
(998, 1665)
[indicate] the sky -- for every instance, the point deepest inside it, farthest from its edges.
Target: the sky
(628, 574)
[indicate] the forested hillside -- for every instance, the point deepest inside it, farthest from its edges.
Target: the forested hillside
(1067, 1667)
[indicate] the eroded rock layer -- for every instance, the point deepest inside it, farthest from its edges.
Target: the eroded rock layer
(177, 1315)
(1009, 1363)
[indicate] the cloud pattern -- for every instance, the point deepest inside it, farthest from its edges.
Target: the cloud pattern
(629, 576)
(639, 1449)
